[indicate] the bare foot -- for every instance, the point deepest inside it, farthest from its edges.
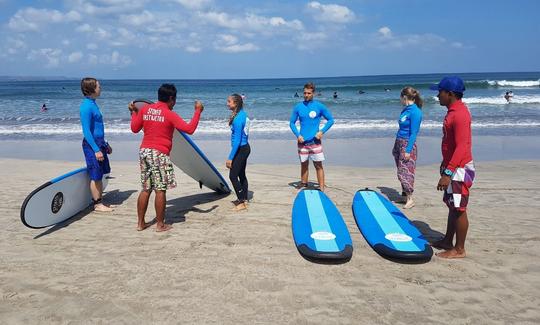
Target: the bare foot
(409, 204)
(452, 253)
(441, 244)
(163, 228)
(240, 207)
(100, 207)
(144, 226)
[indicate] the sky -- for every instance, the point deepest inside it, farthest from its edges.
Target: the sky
(212, 39)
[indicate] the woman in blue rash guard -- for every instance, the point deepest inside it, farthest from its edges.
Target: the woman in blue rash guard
(94, 146)
(405, 151)
(240, 150)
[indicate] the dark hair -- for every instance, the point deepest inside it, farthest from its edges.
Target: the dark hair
(457, 95)
(166, 91)
(237, 99)
(310, 85)
(88, 86)
(412, 94)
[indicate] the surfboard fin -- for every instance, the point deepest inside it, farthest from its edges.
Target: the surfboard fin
(200, 185)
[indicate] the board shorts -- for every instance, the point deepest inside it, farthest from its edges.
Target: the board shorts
(157, 171)
(310, 150)
(96, 169)
(456, 195)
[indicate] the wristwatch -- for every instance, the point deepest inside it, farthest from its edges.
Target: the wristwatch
(448, 172)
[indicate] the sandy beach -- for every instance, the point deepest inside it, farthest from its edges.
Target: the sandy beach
(220, 267)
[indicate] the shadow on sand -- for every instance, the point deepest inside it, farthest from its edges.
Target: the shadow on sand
(178, 208)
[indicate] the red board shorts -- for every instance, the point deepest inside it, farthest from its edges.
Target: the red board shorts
(456, 195)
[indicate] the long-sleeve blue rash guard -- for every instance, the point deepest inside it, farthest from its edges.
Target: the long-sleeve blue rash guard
(92, 122)
(409, 125)
(240, 132)
(309, 114)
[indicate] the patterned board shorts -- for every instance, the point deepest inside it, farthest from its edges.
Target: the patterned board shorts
(312, 150)
(456, 195)
(157, 172)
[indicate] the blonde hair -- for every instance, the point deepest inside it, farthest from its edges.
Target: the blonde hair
(412, 94)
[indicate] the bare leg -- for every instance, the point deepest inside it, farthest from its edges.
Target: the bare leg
(461, 227)
(304, 172)
(320, 174)
(448, 241)
(142, 205)
(96, 189)
(160, 203)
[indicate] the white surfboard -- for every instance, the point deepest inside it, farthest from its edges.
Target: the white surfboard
(58, 200)
(191, 160)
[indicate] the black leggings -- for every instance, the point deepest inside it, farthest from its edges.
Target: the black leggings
(237, 174)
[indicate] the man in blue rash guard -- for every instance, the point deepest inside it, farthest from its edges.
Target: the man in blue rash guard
(95, 148)
(309, 113)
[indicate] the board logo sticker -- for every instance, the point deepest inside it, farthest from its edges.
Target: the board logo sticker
(323, 235)
(398, 237)
(57, 202)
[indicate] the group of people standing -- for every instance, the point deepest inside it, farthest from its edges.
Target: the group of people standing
(159, 123)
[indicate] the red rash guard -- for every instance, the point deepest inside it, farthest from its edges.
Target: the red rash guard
(456, 142)
(159, 122)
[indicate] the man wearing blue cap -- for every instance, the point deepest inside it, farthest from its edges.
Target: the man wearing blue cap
(457, 168)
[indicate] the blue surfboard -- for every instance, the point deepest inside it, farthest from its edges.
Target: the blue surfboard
(387, 230)
(318, 229)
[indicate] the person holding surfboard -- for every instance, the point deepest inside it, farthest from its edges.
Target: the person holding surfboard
(309, 137)
(405, 149)
(95, 148)
(457, 168)
(240, 150)
(158, 123)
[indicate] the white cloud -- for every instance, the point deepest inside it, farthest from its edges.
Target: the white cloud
(193, 4)
(75, 57)
(252, 22)
(331, 13)
(115, 59)
(85, 28)
(91, 46)
(311, 40)
(230, 44)
(107, 7)
(50, 55)
(193, 49)
(385, 39)
(236, 48)
(138, 19)
(32, 19)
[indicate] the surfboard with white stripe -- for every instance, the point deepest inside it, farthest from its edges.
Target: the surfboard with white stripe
(387, 230)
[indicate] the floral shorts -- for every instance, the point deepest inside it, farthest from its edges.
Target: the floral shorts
(157, 172)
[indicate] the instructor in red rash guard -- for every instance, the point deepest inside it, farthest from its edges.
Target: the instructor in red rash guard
(457, 168)
(157, 173)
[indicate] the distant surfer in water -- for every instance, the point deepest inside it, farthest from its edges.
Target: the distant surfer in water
(158, 123)
(296, 95)
(457, 168)
(508, 96)
(95, 148)
(405, 150)
(335, 95)
(44, 108)
(309, 137)
(240, 150)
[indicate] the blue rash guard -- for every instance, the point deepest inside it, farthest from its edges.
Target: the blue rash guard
(240, 132)
(309, 114)
(92, 123)
(409, 125)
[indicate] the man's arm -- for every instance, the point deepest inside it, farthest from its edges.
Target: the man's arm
(86, 121)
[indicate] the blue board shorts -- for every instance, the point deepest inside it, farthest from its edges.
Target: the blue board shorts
(96, 169)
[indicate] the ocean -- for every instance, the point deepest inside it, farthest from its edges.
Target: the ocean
(269, 103)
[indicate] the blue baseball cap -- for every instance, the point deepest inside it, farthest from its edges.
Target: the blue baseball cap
(453, 84)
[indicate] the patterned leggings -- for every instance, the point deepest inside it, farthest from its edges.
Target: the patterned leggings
(405, 169)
